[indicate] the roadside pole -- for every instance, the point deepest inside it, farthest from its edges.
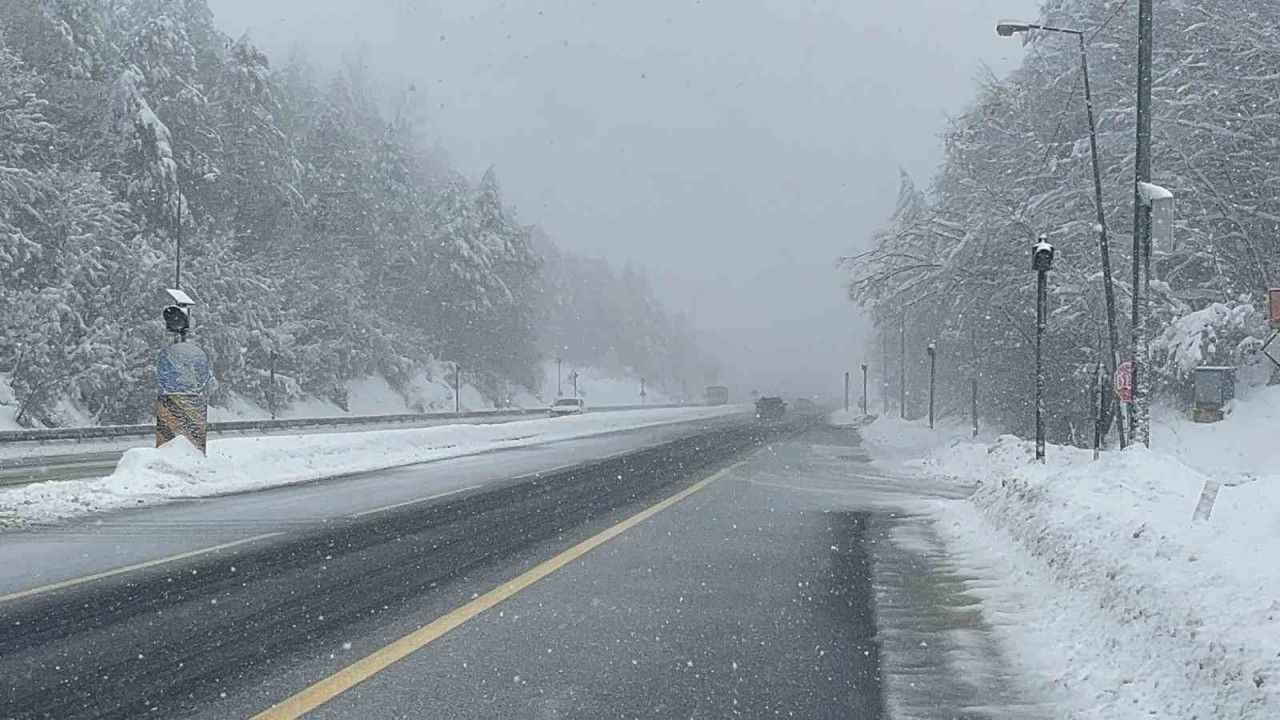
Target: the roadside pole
(866, 409)
(1140, 415)
(884, 372)
(973, 404)
(902, 371)
(559, 391)
(1041, 262)
(932, 349)
(643, 394)
(846, 391)
(272, 395)
(457, 388)
(1095, 399)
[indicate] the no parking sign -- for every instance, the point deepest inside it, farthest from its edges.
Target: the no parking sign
(1122, 381)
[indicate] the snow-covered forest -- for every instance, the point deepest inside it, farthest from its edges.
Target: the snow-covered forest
(317, 227)
(953, 264)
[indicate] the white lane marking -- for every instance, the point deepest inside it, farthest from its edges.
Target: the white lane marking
(393, 506)
(131, 568)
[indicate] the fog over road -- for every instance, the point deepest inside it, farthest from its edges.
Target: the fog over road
(733, 148)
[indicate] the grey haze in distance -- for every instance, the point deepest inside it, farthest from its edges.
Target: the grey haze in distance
(733, 148)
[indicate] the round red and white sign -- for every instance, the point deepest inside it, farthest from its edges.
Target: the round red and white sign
(1122, 381)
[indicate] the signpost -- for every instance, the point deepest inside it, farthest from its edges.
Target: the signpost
(1122, 382)
(1273, 303)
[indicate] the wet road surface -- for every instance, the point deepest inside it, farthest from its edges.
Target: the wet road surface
(785, 579)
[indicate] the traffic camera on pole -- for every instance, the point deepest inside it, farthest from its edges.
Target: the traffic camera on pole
(177, 315)
(1042, 255)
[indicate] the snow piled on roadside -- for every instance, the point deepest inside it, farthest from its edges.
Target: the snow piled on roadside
(895, 444)
(147, 476)
(1101, 582)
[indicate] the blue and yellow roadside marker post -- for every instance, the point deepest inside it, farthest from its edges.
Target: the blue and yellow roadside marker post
(183, 376)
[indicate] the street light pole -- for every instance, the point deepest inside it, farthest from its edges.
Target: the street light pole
(559, 391)
(1041, 262)
(1007, 29)
(1140, 420)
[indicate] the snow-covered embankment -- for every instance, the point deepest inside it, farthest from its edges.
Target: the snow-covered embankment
(151, 475)
(1099, 579)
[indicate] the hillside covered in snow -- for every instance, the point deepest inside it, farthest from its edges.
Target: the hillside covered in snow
(323, 240)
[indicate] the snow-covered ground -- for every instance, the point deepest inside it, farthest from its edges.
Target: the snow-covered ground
(431, 389)
(1098, 575)
(599, 387)
(8, 405)
(153, 475)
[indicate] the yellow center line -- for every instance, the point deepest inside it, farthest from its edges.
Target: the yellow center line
(131, 568)
(437, 496)
(334, 685)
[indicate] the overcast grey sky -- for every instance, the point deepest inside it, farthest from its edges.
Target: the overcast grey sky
(734, 148)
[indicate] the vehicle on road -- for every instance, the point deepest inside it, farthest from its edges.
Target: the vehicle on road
(770, 408)
(717, 395)
(567, 406)
(804, 405)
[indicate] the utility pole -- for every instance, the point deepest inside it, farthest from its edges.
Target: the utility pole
(1140, 413)
(457, 388)
(559, 392)
(866, 409)
(932, 349)
(1041, 262)
(846, 391)
(902, 370)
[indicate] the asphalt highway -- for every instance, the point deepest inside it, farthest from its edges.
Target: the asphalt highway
(730, 569)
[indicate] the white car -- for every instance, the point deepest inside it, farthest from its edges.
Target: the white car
(567, 406)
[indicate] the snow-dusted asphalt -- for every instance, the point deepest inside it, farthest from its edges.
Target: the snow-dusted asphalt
(796, 584)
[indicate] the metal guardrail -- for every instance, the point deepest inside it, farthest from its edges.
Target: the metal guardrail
(102, 432)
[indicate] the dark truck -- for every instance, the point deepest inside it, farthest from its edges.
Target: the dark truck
(717, 395)
(770, 408)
